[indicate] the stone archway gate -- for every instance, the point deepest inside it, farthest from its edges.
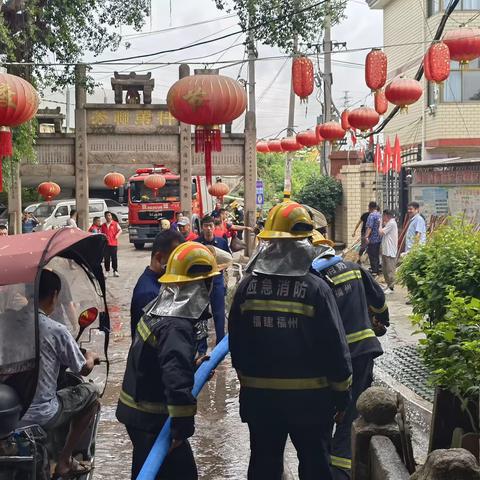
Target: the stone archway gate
(124, 137)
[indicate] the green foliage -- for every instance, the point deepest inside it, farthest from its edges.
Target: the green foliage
(41, 30)
(23, 148)
(271, 169)
(450, 259)
(452, 347)
(323, 193)
(276, 23)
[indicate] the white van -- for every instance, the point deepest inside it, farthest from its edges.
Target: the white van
(54, 214)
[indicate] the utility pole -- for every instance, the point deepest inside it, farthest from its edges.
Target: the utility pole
(346, 99)
(252, 55)
(327, 84)
(67, 110)
(287, 188)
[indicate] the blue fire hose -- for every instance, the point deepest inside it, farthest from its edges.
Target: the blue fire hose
(162, 444)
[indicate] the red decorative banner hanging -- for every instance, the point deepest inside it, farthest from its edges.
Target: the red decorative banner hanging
(377, 159)
(387, 157)
(397, 155)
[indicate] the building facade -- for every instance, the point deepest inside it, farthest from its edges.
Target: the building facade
(444, 123)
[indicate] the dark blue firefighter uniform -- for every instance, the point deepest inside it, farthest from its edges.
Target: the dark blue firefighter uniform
(289, 348)
(217, 296)
(356, 294)
(157, 384)
(145, 291)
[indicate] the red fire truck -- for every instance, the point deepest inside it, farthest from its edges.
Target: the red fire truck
(145, 209)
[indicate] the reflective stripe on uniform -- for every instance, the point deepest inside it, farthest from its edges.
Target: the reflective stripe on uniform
(283, 383)
(284, 306)
(182, 410)
(341, 462)
(378, 310)
(341, 386)
(361, 335)
(146, 407)
(346, 277)
(145, 332)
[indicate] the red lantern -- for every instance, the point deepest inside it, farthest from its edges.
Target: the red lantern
(18, 104)
(403, 91)
(262, 147)
(463, 44)
(290, 144)
(154, 182)
(331, 131)
(376, 69)
(308, 138)
(275, 146)
(381, 102)
(363, 118)
(48, 190)
(302, 77)
(218, 189)
(207, 101)
(436, 63)
(344, 120)
(114, 180)
(320, 139)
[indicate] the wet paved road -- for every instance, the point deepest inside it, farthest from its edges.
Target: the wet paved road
(221, 441)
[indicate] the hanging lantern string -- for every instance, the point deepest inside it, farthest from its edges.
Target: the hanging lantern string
(419, 74)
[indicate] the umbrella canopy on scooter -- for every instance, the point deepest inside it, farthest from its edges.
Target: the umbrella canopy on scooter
(21, 255)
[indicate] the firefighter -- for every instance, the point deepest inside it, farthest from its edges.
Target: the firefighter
(359, 297)
(289, 348)
(159, 376)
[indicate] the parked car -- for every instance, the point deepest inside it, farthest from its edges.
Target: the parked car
(31, 208)
(118, 210)
(54, 214)
(4, 217)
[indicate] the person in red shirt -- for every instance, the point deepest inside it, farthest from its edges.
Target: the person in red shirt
(96, 226)
(220, 229)
(111, 229)
(185, 228)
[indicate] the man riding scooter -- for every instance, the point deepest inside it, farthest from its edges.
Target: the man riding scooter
(75, 405)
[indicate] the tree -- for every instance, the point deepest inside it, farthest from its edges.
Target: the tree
(275, 21)
(270, 167)
(321, 192)
(41, 31)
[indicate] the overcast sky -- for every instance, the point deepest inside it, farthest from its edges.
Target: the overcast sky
(361, 28)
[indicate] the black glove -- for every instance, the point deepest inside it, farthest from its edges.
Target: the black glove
(182, 427)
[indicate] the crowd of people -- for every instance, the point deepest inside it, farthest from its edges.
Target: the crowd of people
(379, 239)
(303, 330)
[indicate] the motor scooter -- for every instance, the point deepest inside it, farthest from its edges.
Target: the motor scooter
(29, 451)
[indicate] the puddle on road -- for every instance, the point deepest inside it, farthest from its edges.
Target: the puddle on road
(220, 443)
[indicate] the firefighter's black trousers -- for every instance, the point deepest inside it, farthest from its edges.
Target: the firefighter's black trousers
(267, 444)
(341, 446)
(179, 464)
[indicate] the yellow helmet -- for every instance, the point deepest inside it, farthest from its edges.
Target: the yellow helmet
(319, 239)
(189, 262)
(287, 220)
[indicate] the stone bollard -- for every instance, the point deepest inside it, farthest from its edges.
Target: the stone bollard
(451, 464)
(377, 408)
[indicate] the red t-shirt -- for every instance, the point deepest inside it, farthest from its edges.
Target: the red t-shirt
(191, 237)
(110, 231)
(95, 229)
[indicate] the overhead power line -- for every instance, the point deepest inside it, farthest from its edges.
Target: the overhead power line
(134, 36)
